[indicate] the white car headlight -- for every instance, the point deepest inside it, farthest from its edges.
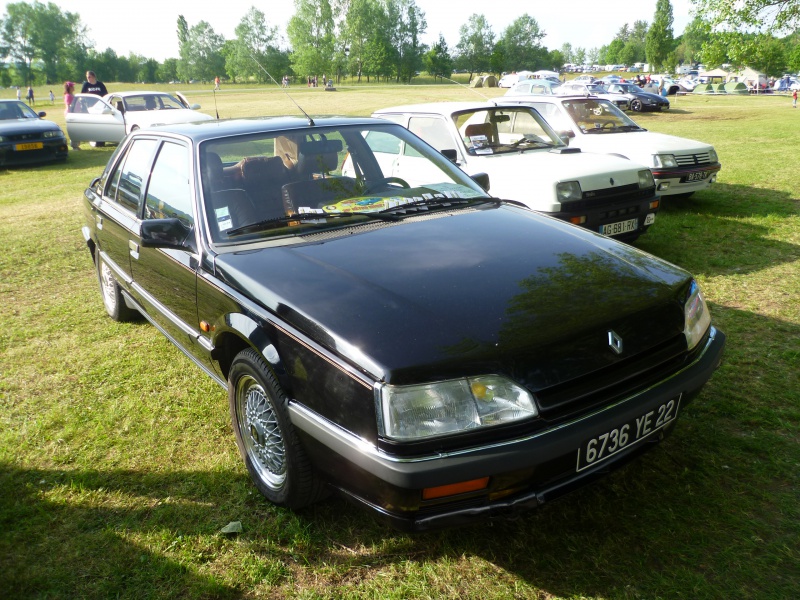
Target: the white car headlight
(568, 190)
(666, 161)
(712, 155)
(696, 317)
(416, 412)
(646, 179)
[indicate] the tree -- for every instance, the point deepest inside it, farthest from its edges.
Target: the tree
(437, 60)
(744, 15)
(310, 33)
(475, 43)
(201, 53)
(696, 34)
(253, 53)
(408, 24)
(40, 32)
(360, 23)
(659, 41)
(522, 47)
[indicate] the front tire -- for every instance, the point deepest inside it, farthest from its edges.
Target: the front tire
(636, 105)
(113, 300)
(266, 439)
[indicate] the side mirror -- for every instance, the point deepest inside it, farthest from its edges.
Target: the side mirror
(482, 179)
(450, 154)
(166, 233)
(565, 136)
(42, 114)
(195, 107)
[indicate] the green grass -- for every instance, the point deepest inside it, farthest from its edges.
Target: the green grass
(118, 467)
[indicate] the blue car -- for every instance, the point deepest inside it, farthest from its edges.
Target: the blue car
(640, 100)
(26, 138)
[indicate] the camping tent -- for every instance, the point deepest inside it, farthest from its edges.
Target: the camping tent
(714, 76)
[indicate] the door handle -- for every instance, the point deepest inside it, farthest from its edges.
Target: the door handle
(98, 219)
(133, 248)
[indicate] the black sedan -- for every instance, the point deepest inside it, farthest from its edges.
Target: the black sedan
(640, 100)
(26, 138)
(429, 352)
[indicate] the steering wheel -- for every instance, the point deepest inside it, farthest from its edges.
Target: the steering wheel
(385, 181)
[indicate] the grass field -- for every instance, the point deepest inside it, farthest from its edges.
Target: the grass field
(118, 466)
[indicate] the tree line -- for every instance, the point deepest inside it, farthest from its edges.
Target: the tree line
(380, 40)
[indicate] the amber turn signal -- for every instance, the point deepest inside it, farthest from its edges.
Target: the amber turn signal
(455, 488)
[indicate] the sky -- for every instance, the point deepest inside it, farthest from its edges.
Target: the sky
(148, 27)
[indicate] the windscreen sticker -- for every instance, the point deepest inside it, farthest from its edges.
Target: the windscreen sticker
(223, 218)
(307, 210)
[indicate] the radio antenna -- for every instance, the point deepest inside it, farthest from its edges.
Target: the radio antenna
(471, 89)
(215, 103)
(310, 120)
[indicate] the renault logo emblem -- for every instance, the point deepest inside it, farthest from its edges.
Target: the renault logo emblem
(614, 342)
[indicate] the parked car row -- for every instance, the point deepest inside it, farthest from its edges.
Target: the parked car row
(387, 329)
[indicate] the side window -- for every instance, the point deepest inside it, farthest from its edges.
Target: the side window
(131, 174)
(432, 130)
(168, 194)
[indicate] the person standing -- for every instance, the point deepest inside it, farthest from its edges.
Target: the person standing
(69, 95)
(52, 97)
(30, 96)
(794, 99)
(216, 83)
(98, 88)
(19, 94)
(93, 86)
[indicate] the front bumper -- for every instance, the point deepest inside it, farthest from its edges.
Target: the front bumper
(524, 472)
(598, 214)
(684, 180)
(53, 149)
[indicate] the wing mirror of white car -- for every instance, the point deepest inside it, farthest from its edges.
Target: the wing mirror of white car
(565, 136)
(450, 154)
(482, 179)
(195, 107)
(107, 110)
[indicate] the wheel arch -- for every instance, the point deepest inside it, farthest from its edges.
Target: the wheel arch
(245, 333)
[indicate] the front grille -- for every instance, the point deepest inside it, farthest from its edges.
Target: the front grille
(692, 160)
(613, 196)
(617, 381)
(24, 137)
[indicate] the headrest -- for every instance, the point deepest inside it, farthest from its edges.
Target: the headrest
(262, 168)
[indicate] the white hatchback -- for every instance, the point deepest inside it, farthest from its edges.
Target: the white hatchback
(680, 166)
(526, 161)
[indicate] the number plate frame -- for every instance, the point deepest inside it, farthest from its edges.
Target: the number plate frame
(698, 176)
(30, 146)
(610, 443)
(620, 227)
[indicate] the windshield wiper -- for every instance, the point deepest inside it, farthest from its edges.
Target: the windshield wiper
(276, 222)
(531, 143)
(428, 203)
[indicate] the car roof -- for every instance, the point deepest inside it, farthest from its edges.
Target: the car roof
(206, 130)
(444, 108)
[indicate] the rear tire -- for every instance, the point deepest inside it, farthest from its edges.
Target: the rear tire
(113, 300)
(267, 442)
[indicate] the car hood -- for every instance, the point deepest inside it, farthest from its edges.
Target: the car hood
(593, 171)
(493, 290)
(16, 126)
(639, 145)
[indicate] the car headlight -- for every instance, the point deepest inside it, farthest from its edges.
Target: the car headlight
(646, 179)
(712, 155)
(666, 161)
(568, 190)
(415, 412)
(696, 317)
(52, 134)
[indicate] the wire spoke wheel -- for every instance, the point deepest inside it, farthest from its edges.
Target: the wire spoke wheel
(261, 432)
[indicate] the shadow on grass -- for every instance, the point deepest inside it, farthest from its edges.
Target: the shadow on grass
(711, 512)
(727, 229)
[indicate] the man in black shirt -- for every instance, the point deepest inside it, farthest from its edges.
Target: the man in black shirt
(92, 86)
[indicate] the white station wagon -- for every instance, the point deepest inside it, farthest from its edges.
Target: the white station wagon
(527, 162)
(680, 166)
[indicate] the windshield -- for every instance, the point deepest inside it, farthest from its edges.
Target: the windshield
(504, 130)
(593, 115)
(290, 182)
(16, 110)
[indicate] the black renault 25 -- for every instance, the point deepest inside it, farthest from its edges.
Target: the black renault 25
(432, 353)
